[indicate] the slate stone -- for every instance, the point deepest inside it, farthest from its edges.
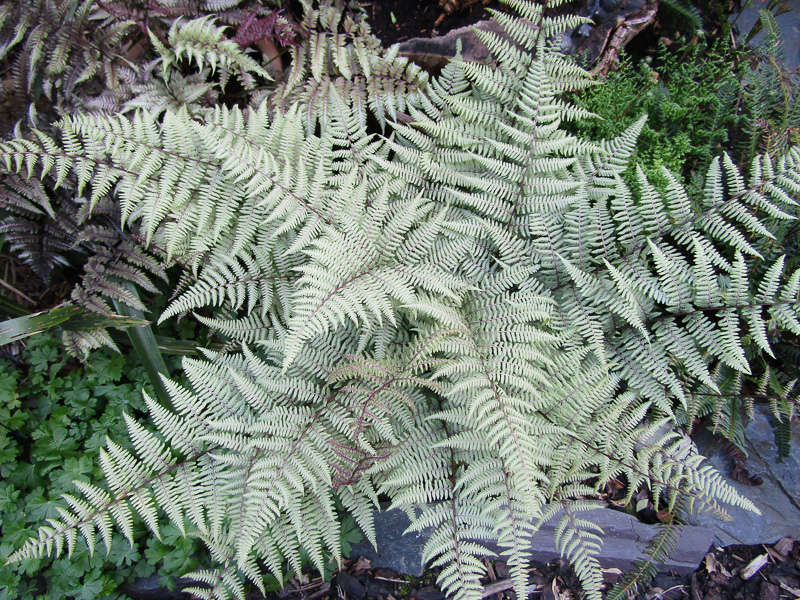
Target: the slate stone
(675, 593)
(624, 541)
(398, 551)
(778, 497)
(668, 581)
(428, 593)
(350, 586)
(788, 26)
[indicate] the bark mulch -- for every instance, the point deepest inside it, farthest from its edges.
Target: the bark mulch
(732, 573)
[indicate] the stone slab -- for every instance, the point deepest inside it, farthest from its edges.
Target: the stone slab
(624, 541)
(788, 26)
(397, 550)
(778, 497)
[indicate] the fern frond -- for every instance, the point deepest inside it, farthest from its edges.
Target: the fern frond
(471, 311)
(199, 41)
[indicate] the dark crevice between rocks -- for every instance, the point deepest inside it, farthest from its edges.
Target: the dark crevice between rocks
(418, 19)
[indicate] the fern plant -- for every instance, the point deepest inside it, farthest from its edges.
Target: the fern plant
(671, 88)
(770, 93)
(342, 58)
(60, 55)
(472, 314)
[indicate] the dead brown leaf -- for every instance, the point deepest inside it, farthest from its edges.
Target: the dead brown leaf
(784, 546)
(269, 48)
(489, 569)
(497, 588)
(777, 556)
(711, 563)
(362, 564)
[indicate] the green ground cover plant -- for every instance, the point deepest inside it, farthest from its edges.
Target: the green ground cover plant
(701, 97)
(55, 415)
(429, 289)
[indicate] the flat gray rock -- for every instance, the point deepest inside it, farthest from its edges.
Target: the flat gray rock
(778, 497)
(624, 541)
(397, 550)
(788, 26)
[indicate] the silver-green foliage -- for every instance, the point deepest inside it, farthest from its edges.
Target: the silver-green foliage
(341, 58)
(473, 315)
(59, 54)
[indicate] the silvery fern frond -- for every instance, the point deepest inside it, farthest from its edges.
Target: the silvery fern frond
(341, 61)
(201, 42)
(470, 311)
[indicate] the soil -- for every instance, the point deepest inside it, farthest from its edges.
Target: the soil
(723, 575)
(414, 18)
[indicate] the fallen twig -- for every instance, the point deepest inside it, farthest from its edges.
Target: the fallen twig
(497, 587)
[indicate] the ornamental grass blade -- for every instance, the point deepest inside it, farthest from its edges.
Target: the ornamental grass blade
(145, 344)
(73, 318)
